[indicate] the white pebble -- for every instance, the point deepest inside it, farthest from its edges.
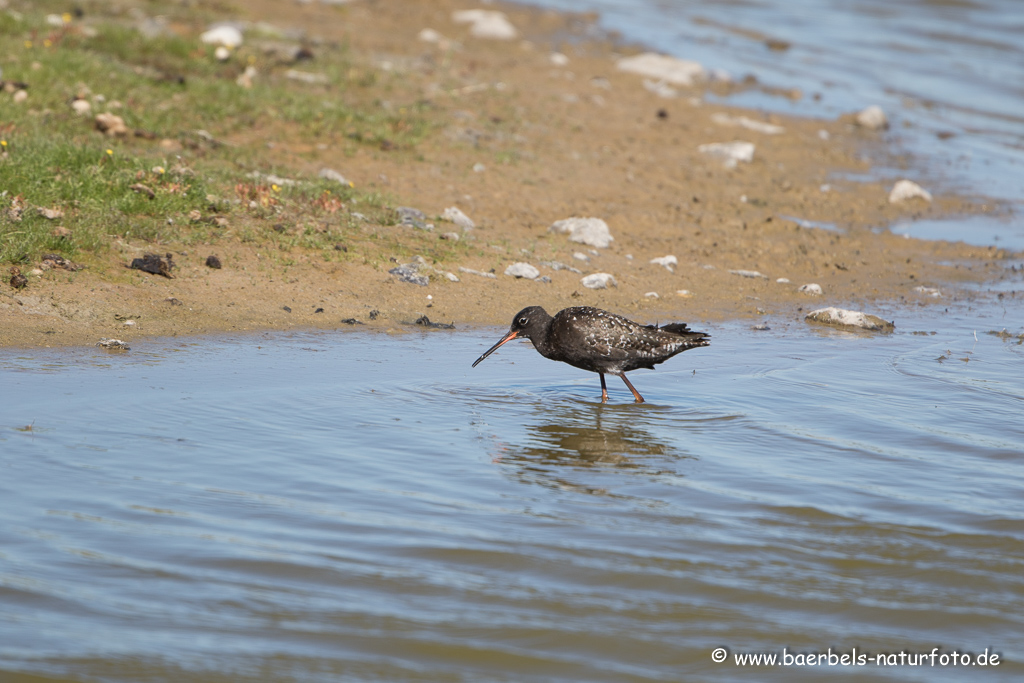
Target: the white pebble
(872, 118)
(651, 295)
(908, 189)
(783, 280)
(522, 270)
(730, 153)
(811, 288)
(590, 231)
(668, 261)
(599, 281)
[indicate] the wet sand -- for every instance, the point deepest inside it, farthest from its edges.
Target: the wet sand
(554, 141)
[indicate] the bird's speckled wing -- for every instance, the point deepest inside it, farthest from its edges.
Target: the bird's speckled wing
(617, 344)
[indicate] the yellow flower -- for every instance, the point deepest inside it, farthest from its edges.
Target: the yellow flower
(47, 43)
(110, 152)
(275, 188)
(28, 44)
(66, 18)
(3, 143)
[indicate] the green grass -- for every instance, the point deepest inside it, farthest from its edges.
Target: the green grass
(168, 88)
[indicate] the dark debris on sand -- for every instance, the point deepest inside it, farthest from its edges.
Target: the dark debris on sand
(155, 264)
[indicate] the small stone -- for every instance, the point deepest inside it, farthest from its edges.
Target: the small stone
(455, 215)
(479, 168)
(872, 118)
(81, 107)
(731, 153)
(286, 309)
(20, 96)
(477, 272)
(452, 277)
(51, 214)
(904, 190)
(486, 23)
(580, 256)
(591, 231)
(651, 295)
(142, 189)
(522, 270)
(111, 125)
(222, 54)
(763, 327)
(58, 261)
(409, 272)
(213, 261)
(18, 281)
(663, 68)
(749, 273)
(331, 174)
(227, 36)
(129, 323)
(451, 236)
(669, 262)
(155, 264)
(195, 216)
(414, 218)
(812, 288)
(558, 59)
(783, 281)
(928, 291)
(685, 293)
(839, 317)
(113, 345)
(723, 119)
(599, 281)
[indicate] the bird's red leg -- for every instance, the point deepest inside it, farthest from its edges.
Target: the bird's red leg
(604, 389)
(636, 394)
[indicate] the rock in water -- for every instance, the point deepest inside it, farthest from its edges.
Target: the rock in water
(904, 190)
(840, 317)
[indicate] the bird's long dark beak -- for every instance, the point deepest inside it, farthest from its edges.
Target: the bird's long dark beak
(512, 334)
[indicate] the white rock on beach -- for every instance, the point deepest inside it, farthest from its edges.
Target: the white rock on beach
(748, 123)
(486, 23)
(840, 317)
(749, 273)
(591, 231)
(662, 67)
(872, 118)
(731, 153)
(454, 215)
(225, 35)
(668, 261)
(812, 288)
(908, 189)
(558, 59)
(522, 270)
(599, 281)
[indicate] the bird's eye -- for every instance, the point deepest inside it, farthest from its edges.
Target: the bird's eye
(522, 322)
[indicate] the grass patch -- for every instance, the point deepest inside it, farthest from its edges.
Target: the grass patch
(171, 177)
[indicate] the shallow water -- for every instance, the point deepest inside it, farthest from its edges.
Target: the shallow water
(949, 73)
(363, 507)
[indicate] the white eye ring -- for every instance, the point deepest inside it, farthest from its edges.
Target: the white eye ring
(524, 321)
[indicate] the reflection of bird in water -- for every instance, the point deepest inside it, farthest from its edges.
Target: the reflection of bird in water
(599, 341)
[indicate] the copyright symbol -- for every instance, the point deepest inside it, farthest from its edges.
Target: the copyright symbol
(718, 655)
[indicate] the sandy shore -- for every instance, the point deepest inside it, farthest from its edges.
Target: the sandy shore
(519, 142)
